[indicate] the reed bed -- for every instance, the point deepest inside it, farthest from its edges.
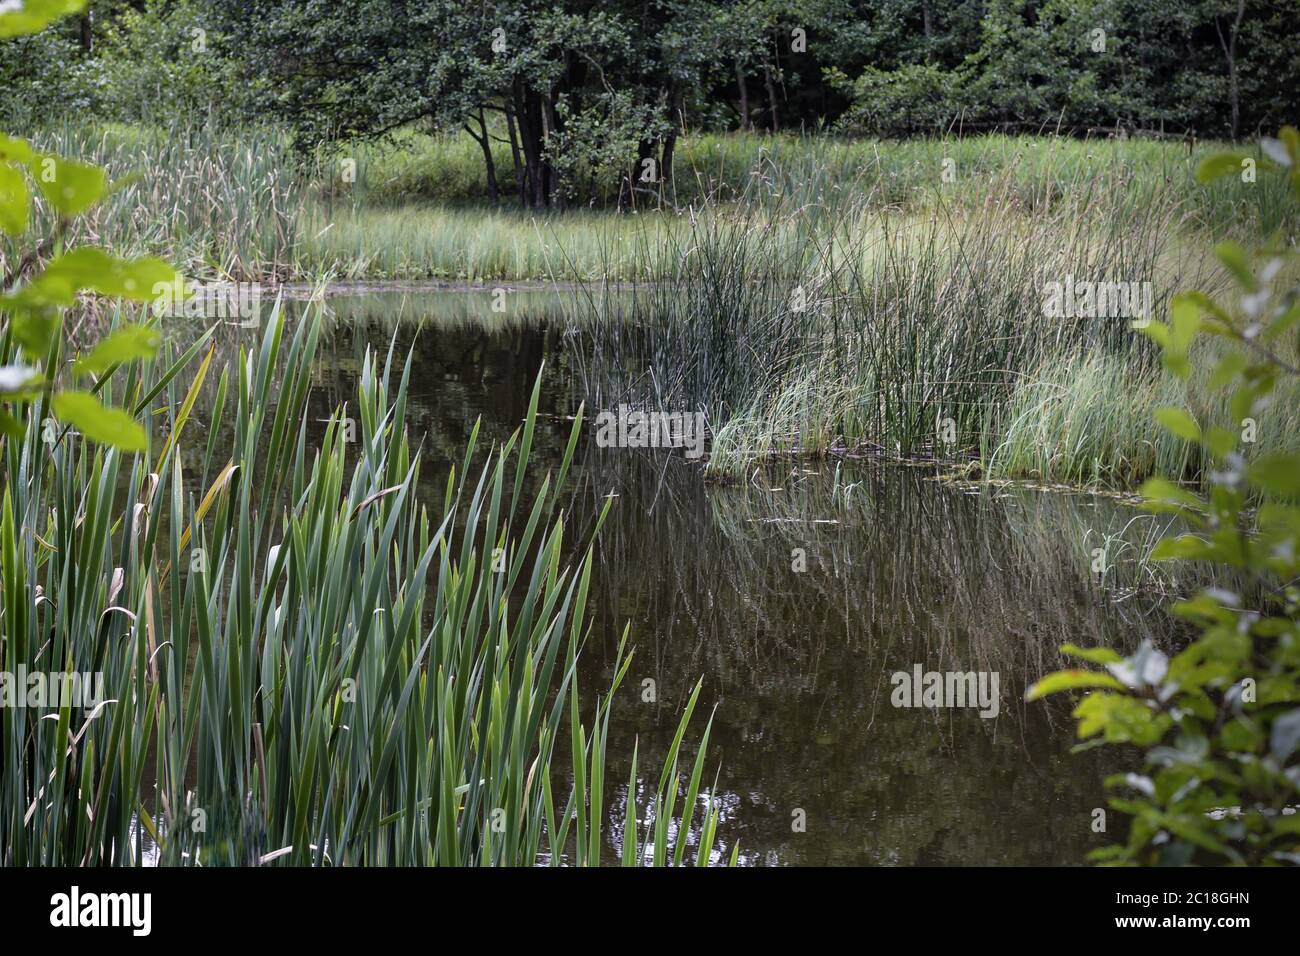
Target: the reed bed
(919, 335)
(217, 206)
(305, 663)
(721, 168)
(242, 204)
(811, 296)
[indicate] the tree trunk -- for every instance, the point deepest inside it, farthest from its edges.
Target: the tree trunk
(514, 154)
(744, 96)
(1229, 46)
(631, 182)
(537, 169)
(87, 32)
(485, 143)
(666, 185)
(551, 124)
(528, 113)
(771, 97)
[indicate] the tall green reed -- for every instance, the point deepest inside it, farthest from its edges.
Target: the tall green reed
(241, 204)
(216, 205)
(906, 336)
(305, 664)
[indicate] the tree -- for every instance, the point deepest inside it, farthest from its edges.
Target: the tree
(362, 68)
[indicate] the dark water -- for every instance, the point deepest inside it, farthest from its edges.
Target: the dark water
(815, 764)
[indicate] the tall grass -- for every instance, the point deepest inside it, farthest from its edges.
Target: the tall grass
(304, 663)
(810, 295)
(911, 336)
(242, 205)
(217, 206)
(720, 168)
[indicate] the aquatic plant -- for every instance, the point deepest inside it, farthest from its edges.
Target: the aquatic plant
(304, 663)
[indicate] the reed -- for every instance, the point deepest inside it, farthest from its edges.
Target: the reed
(218, 206)
(304, 663)
(1037, 172)
(242, 204)
(914, 336)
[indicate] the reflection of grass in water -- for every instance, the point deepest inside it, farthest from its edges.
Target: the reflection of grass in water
(909, 571)
(977, 580)
(482, 309)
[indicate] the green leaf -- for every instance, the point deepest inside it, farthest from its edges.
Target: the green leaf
(1120, 718)
(1185, 547)
(71, 187)
(88, 267)
(129, 342)
(11, 427)
(1236, 261)
(1220, 441)
(13, 149)
(33, 16)
(1228, 368)
(1179, 422)
(1278, 473)
(1097, 655)
(1184, 322)
(1070, 680)
(1161, 491)
(15, 200)
(34, 327)
(108, 426)
(1219, 165)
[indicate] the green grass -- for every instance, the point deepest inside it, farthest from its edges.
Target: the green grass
(305, 663)
(218, 207)
(243, 206)
(418, 241)
(923, 297)
(711, 168)
(893, 328)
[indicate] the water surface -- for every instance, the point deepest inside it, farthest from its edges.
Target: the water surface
(795, 596)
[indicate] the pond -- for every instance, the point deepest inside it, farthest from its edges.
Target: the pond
(809, 599)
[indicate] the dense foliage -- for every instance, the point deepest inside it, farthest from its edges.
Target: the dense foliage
(590, 98)
(37, 289)
(1218, 724)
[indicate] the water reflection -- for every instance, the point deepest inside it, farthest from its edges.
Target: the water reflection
(795, 596)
